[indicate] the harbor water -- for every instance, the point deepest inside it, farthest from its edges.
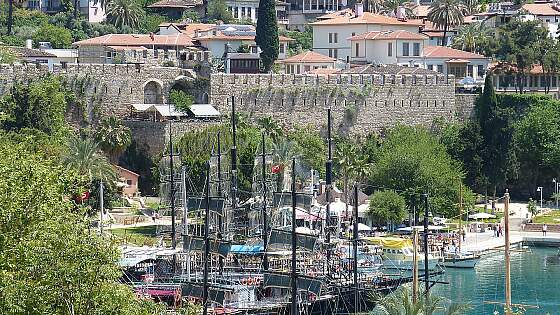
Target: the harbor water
(535, 281)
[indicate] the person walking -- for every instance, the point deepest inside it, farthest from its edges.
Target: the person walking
(500, 232)
(463, 233)
(544, 229)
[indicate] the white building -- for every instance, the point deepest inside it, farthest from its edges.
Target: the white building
(412, 50)
(306, 62)
(388, 47)
(331, 36)
(90, 9)
(249, 10)
(547, 13)
(218, 37)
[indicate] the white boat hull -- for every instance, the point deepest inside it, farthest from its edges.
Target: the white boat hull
(461, 262)
(409, 265)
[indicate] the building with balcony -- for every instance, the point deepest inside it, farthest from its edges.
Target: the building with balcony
(91, 10)
(388, 47)
(331, 36)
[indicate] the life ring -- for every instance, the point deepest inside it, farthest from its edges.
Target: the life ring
(251, 281)
(257, 281)
(244, 281)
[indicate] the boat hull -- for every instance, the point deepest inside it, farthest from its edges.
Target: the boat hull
(409, 265)
(460, 262)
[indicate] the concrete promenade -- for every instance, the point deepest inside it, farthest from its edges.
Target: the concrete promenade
(484, 242)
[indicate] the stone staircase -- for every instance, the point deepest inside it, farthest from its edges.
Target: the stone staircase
(537, 227)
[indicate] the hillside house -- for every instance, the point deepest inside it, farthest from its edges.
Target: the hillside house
(331, 35)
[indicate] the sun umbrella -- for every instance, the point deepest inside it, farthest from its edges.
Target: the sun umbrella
(481, 215)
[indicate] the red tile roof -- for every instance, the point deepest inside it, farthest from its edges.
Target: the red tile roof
(368, 18)
(190, 29)
(137, 40)
(421, 10)
(308, 56)
(332, 15)
(237, 37)
(541, 9)
(389, 35)
(450, 53)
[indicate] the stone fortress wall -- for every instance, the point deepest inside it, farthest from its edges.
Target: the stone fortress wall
(359, 103)
(109, 89)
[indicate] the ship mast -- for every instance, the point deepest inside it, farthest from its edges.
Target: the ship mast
(356, 235)
(233, 164)
(460, 214)
(264, 214)
(507, 306)
(328, 183)
(426, 265)
(206, 241)
(294, 242)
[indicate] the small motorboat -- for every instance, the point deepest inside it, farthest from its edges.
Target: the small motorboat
(453, 258)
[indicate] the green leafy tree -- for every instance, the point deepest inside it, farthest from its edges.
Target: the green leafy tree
(51, 262)
(497, 129)
(39, 105)
(517, 44)
(59, 37)
(217, 11)
(7, 56)
(402, 303)
(446, 14)
(386, 207)
(267, 33)
(192, 16)
(125, 13)
(412, 161)
(302, 40)
(537, 141)
(464, 143)
(113, 137)
(312, 148)
(181, 100)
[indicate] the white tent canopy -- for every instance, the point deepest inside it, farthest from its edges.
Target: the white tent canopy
(361, 227)
(481, 215)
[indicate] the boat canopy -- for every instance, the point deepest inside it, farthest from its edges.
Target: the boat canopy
(246, 249)
(389, 242)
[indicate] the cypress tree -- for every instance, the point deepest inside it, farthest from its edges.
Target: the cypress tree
(267, 33)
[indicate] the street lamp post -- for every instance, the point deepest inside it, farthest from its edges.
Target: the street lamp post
(555, 191)
(539, 189)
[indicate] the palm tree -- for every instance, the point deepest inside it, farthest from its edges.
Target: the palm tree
(284, 152)
(124, 13)
(401, 303)
(470, 7)
(345, 157)
(85, 159)
(446, 13)
(390, 7)
(113, 137)
(270, 127)
(471, 37)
